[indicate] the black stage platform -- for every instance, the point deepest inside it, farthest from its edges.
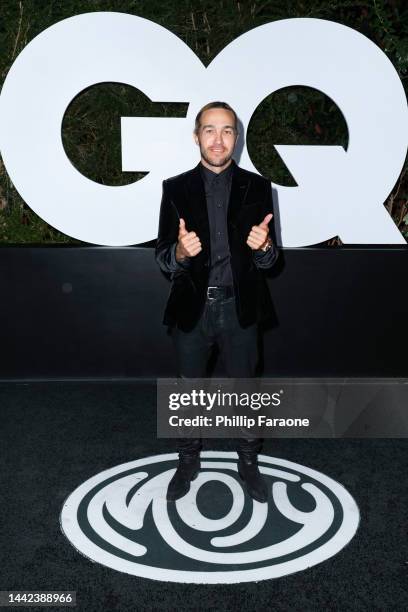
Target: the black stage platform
(96, 312)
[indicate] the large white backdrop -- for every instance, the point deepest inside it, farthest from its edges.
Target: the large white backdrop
(338, 192)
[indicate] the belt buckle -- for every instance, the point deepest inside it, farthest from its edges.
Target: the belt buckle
(208, 293)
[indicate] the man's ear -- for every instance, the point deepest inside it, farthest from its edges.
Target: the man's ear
(195, 138)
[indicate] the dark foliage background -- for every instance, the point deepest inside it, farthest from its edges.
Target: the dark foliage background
(295, 115)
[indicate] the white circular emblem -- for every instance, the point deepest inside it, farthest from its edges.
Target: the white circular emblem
(216, 533)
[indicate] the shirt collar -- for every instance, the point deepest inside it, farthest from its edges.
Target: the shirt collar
(210, 176)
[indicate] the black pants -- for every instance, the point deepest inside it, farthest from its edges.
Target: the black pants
(238, 348)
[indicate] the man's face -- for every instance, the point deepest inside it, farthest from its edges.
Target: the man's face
(216, 136)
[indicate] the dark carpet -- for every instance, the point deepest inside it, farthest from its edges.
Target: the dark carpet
(56, 435)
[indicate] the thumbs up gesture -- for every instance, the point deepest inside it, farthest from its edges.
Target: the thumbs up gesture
(188, 243)
(259, 234)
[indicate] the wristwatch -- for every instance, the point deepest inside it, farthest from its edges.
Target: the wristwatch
(267, 246)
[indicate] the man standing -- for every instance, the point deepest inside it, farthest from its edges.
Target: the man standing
(215, 236)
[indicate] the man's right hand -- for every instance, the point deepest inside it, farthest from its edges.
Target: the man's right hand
(188, 243)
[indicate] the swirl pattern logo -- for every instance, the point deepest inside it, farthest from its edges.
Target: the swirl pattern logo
(216, 533)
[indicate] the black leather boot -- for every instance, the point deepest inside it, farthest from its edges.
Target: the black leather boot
(187, 469)
(248, 468)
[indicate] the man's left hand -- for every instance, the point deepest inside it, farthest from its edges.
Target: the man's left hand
(259, 234)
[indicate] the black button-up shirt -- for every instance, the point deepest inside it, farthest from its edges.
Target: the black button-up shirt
(217, 192)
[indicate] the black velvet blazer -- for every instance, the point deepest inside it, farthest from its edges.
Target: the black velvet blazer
(250, 200)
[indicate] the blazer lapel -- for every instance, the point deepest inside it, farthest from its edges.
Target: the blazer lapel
(239, 190)
(197, 203)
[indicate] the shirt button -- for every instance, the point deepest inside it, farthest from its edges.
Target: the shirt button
(218, 256)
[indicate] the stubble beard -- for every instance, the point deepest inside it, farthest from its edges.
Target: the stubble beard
(211, 162)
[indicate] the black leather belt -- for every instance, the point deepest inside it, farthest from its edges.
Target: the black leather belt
(219, 293)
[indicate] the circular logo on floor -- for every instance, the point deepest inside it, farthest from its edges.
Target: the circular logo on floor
(216, 533)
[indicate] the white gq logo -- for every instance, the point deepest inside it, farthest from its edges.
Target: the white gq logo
(339, 192)
(121, 518)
